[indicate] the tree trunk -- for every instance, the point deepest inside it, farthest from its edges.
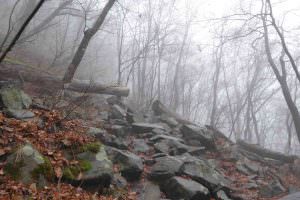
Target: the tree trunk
(22, 29)
(88, 34)
(282, 80)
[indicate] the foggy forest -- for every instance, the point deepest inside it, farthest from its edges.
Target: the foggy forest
(150, 99)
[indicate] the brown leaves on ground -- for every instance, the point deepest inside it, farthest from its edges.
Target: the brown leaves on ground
(50, 141)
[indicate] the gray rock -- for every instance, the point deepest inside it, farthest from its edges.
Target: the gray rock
(294, 196)
(119, 181)
(14, 98)
(180, 188)
(22, 164)
(19, 114)
(108, 139)
(131, 165)
(205, 174)
(165, 137)
(272, 189)
(164, 168)
(117, 112)
(171, 147)
(169, 120)
(101, 171)
(198, 136)
(96, 132)
(119, 131)
(221, 195)
(145, 127)
(140, 146)
(151, 191)
(119, 122)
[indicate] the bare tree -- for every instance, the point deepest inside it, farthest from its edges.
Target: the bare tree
(23, 27)
(88, 34)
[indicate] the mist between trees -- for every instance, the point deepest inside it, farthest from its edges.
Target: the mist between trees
(234, 68)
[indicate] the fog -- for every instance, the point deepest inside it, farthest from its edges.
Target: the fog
(205, 59)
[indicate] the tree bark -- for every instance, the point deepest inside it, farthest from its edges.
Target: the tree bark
(22, 29)
(282, 79)
(88, 34)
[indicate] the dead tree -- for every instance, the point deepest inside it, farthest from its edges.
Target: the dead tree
(88, 34)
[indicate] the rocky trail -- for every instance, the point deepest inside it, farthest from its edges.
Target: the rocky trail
(109, 151)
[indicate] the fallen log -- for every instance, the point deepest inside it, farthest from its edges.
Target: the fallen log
(266, 153)
(42, 78)
(160, 109)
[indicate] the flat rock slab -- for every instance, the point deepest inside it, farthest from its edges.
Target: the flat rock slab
(180, 188)
(198, 136)
(131, 165)
(145, 127)
(164, 168)
(205, 174)
(20, 114)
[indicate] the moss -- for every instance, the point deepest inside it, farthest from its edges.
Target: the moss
(72, 172)
(92, 147)
(85, 165)
(44, 169)
(13, 170)
(67, 173)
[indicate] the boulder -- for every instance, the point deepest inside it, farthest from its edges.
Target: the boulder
(108, 139)
(197, 136)
(180, 188)
(151, 191)
(119, 131)
(164, 168)
(117, 112)
(96, 169)
(202, 172)
(140, 146)
(272, 189)
(19, 114)
(28, 166)
(145, 127)
(131, 165)
(14, 98)
(96, 132)
(171, 147)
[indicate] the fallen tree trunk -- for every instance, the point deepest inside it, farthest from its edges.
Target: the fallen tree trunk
(26, 74)
(266, 153)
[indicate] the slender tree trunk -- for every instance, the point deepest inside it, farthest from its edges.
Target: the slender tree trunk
(22, 29)
(281, 79)
(88, 34)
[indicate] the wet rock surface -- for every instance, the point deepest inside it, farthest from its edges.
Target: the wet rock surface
(158, 157)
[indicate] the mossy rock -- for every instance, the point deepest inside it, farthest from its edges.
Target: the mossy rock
(27, 165)
(14, 98)
(92, 147)
(95, 168)
(72, 172)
